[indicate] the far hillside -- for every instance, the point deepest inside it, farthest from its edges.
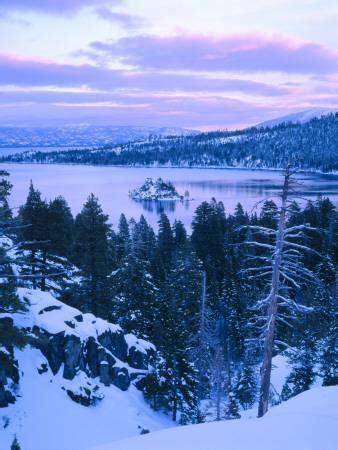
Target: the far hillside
(309, 146)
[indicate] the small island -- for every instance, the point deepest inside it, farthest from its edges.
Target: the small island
(157, 190)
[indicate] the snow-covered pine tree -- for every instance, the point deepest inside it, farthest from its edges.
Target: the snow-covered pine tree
(178, 320)
(246, 386)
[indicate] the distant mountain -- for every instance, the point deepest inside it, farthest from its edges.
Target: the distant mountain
(81, 136)
(312, 145)
(299, 117)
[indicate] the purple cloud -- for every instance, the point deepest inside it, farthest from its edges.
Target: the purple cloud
(53, 6)
(247, 53)
(26, 73)
(128, 21)
(213, 112)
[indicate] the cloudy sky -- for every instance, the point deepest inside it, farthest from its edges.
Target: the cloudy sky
(194, 63)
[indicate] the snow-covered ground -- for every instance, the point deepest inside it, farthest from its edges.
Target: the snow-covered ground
(45, 418)
(306, 422)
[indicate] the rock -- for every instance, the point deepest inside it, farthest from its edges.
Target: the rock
(54, 351)
(115, 343)
(43, 368)
(72, 353)
(120, 377)
(105, 373)
(138, 359)
(84, 397)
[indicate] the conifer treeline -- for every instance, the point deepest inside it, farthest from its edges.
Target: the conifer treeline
(310, 146)
(190, 294)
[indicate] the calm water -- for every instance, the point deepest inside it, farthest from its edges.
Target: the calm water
(112, 184)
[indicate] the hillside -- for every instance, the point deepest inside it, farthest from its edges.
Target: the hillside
(306, 422)
(80, 135)
(76, 377)
(309, 146)
(299, 117)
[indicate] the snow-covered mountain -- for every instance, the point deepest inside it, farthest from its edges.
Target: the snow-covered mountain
(306, 422)
(299, 117)
(81, 135)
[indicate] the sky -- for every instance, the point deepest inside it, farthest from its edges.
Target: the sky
(200, 64)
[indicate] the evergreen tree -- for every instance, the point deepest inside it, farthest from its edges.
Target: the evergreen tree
(231, 410)
(134, 303)
(208, 229)
(61, 227)
(123, 241)
(15, 444)
(165, 246)
(35, 235)
(91, 254)
(178, 320)
(246, 388)
(9, 301)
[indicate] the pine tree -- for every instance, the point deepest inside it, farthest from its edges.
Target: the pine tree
(91, 254)
(123, 241)
(35, 235)
(61, 227)
(15, 444)
(231, 410)
(134, 301)
(165, 247)
(246, 388)
(9, 301)
(178, 320)
(303, 374)
(208, 229)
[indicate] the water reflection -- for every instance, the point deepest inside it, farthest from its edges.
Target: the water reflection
(162, 206)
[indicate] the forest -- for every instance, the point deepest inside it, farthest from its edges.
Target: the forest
(206, 300)
(309, 146)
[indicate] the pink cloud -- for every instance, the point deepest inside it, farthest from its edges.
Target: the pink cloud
(244, 53)
(20, 71)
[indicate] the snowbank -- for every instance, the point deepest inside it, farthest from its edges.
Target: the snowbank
(44, 418)
(306, 422)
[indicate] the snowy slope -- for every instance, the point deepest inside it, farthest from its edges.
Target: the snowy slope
(44, 418)
(306, 422)
(300, 117)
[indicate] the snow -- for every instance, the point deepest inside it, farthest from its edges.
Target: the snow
(140, 344)
(155, 190)
(306, 422)
(44, 417)
(54, 316)
(299, 117)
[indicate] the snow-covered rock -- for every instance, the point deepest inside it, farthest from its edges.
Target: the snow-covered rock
(44, 417)
(306, 422)
(155, 190)
(74, 345)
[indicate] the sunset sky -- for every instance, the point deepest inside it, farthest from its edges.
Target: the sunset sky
(192, 63)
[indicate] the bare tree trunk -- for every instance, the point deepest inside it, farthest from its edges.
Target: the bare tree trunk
(33, 262)
(219, 393)
(43, 269)
(273, 303)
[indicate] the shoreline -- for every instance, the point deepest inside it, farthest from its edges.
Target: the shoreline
(272, 169)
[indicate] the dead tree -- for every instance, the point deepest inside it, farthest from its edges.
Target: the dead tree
(282, 269)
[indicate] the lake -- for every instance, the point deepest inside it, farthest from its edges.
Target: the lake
(112, 184)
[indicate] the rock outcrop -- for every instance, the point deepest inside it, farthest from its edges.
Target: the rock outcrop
(9, 372)
(76, 344)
